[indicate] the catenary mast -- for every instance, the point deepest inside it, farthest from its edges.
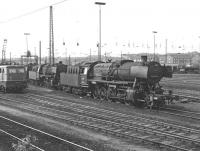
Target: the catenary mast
(4, 51)
(51, 38)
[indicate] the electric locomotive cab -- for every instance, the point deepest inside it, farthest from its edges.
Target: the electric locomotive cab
(12, 78)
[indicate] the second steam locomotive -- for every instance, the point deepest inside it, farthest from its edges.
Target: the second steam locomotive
(125, 81)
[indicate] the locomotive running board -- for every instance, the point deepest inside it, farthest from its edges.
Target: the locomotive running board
(110, 82)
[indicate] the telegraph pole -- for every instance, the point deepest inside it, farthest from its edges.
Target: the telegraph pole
(40, 53)
(4, 51)
(90, 54)
(99, 43)
(166, 51)
(27, 53)
(154, 44)
(10, 58)
(65, 48)
(69, 60)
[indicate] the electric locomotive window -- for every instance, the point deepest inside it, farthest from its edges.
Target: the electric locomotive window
(20, 70)
(3, 70)
(0, 70)
(12, 70)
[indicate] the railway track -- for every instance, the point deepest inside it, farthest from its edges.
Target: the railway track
(182, 82)
(46, 141)
(184, 76)
(190, 82)
(173, 137)
(180, 86)
(179, 113)
(184, 85)
(193, 95)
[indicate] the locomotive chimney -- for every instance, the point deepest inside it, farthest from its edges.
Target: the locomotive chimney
(144, 59)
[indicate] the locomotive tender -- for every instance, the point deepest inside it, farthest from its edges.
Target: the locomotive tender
(12, 78)
(126, 81)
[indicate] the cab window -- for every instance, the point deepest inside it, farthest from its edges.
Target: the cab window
(12, 70)
(85, 71)
(20, 70)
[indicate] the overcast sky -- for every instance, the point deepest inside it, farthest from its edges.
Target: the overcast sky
(127, 26)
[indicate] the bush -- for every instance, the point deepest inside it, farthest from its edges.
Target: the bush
(25, 144)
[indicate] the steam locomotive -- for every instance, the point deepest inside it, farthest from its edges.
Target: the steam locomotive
(126, 81)
(45, 74)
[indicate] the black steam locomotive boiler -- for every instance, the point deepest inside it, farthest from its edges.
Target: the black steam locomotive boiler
(129, 82)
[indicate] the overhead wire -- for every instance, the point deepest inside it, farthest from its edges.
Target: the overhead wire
(31, 12)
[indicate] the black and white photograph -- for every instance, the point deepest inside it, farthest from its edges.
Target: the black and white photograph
(100, 75)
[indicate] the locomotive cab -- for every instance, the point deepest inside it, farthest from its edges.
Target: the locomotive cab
(12, 78)
(83, 76)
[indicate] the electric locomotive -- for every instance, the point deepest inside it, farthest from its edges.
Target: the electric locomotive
(12, 78)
